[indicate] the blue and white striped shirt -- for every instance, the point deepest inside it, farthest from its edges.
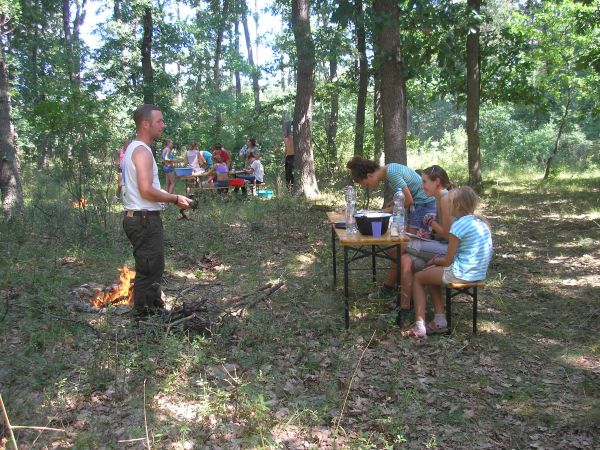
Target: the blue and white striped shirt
(399, 176)
(474, 248)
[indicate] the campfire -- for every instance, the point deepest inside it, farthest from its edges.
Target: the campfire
(117, 294)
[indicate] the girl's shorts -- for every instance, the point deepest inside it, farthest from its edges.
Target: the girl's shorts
(168, 169)
(422, 251)
(449, 278)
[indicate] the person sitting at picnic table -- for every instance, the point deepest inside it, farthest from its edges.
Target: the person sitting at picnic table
(194, 158)
(219, 174)
(249, 147)
(370, 174)
(418, 252)
(469, 253)
(168, 161)
(223, 154)
(255, 171)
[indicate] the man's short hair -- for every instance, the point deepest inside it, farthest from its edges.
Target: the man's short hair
(144, 112)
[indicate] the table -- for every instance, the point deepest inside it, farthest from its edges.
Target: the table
(363, 247)
(192, 182)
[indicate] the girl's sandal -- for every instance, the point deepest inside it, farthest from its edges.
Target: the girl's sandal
(412, 333)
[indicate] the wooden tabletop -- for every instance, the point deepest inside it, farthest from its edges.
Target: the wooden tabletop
(357, 239)
(193, 176)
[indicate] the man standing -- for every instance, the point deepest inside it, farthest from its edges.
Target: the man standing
(143, 199)
(288, 142)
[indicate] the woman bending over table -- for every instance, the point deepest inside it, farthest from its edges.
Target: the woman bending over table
(194, 158)
(370, 174)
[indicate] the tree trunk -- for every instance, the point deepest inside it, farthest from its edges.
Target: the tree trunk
(334, 107)
(238, 81)
(303, 109)
(117, 10)
(363, 78)
(255, 74)
(147, 71)
(76, 41)
(473, 96)
(393, 85)
(10, 181)
(561, 128)
(68, 38)
(378, 153)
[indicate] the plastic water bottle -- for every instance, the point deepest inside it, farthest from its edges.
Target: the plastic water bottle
(399, 213)
(350, 210)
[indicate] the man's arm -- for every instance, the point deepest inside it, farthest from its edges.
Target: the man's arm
(143, 165)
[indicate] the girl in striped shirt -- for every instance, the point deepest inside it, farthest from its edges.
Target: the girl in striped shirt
(469, 254)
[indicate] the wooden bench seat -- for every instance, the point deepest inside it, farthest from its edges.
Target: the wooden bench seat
(468, 289)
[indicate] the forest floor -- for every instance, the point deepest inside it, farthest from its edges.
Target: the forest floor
(283, 372)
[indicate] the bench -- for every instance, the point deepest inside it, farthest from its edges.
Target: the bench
(470, 290)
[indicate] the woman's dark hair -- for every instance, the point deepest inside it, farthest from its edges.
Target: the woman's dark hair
(252, 141)
(437, 173)
(361, 167)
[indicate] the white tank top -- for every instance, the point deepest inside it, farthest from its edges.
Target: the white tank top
(131, 197)
(192, 157)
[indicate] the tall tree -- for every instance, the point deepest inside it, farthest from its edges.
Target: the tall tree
(363, 78)
(238, 80)
(473, 96)
(303, 109)
(147, 70)
(393, 85)
(253, 68)
(10, 181)
(334, 108)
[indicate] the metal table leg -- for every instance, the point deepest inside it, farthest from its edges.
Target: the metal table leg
(398, 291)
(346, 306)
(373, 258)
(333, 253)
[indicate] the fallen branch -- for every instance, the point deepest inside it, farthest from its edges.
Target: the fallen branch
(177, 322)
(352, 379)
(145, 419)
(25, 427)
(269, 290)
(7, 422)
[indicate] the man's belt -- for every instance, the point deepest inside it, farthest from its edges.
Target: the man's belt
(141, 213)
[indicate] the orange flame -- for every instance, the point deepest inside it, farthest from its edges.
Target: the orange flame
(118, 294)
(80, 203)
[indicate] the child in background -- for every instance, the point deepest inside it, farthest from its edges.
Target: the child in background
(120, 156)
(255, 170)
(219, 173)
(169, 166)
(469, 254)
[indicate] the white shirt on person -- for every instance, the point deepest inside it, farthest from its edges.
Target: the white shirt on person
(259, 171)
(132, 198)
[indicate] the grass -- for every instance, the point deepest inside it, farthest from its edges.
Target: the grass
(276, 377)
